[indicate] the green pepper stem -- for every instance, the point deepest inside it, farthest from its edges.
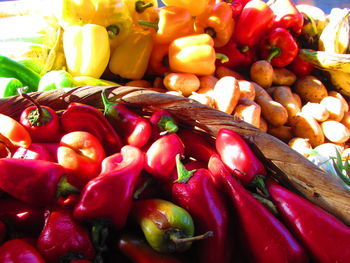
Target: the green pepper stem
(274, 52)
(167, 125)
(183, 175)
(106, 103)
(267, 203)
(222, 57)
(210, 31)
(149, 24)
(177, 240)
(113, 31)
(33, 101)
(139, 191)
(259, 183)
(141, 6)
(65, 188)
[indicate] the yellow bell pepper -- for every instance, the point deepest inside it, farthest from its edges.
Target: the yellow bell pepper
(193, 54)
(130, 59)
(87, 50)
(112, 14)
(195, 7)
(142, 10)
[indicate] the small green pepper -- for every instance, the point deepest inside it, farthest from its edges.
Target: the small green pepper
(10, 68)
(167, 227)
(9, 86)
(56, 79)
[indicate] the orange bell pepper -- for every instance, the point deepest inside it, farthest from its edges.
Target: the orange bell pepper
(219, 23)
(195, 7)
(193, 54)
(14, 131)
(173, 22)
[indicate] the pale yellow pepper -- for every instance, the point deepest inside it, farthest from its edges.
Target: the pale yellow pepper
(86, 49)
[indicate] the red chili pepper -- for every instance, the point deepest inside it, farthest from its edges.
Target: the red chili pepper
(110, 194)
(21, 217)
(62, 236)
(137, 250)
(38, 151)
(322, 234)
(80, 261)
(163, 122)
(237, 155)
(134, 129)
(300, 67)
(287, 15)
(198, 145)
(158, 61)
(3, 231)
(278, 47)
(239, 57)
(265, 238)
(83, 117)
(42, 122)
(195, 192)
(35, 182)
(19, 251)
(160, 156)
(248, 31)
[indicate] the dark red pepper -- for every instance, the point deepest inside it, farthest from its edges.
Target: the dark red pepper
(286, 15)
(160, 156)
(35, 182)
(19, 251)
(42, 122)
(198, 145)
(38, 151)
(163, 122)
(300, 67)
(239, 158)
(63, 237)
(278, 47)
(194, 191)
(110, 194)
(134, 129)
(3, 231)
(324, 236)
(137, 250)
(264, 237)
(83, 117)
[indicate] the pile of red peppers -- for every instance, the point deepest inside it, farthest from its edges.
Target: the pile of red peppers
(119, 185)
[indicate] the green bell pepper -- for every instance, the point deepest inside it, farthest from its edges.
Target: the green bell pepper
(9, 86)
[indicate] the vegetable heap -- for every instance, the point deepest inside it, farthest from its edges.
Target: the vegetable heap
(122, 185)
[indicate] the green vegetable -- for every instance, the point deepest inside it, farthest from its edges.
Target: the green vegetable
(9, 86)
(56, 79)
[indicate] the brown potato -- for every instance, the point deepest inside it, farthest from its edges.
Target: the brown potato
(310, 89)
(263, 124)
(203, 99)
(298, 100)
(284, 133)
(207, 84)
(335, 131)
(261, 72)
(334, 106)
(248, 111)
(186, 83)
(284, 95)
(247, 89)
(226, 94)
(283, 77)
(307, 127)
(316, 110)
(338, 95)
(346, 119)
(223, 71)
(301, 145)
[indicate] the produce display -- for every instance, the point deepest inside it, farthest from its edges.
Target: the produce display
(108, 180)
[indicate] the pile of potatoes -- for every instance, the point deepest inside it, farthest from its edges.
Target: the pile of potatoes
(299, 111)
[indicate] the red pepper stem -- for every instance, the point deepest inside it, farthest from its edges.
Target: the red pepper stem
(267, 203)
(167, 125)
(142, 188)
(141, 6)
(259, 183)
(65, 188)
(274, 52)
(149, 24)
(183, 175)
(244, 49)
(222, 57)
(36, 104)
(174, 238)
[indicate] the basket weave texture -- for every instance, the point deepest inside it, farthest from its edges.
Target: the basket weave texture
(289, 167)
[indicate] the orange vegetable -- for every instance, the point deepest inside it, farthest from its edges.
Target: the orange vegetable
(185, 83)
(14, 131)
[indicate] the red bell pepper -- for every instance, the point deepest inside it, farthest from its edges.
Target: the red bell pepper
(63, 236)
(300, 67)
(163, 122)
(195, 191)
(160, 156)
(256, 19)
(81, 154)
(3, 231)
(264, 237)
(19, 251)
(236, 7)
(35, 182)
(21, 217)
(237, 155)
(198, 145)
(158, 61)
(83, 117)
(134, 129)
(110, 194)
(278, 47)
(286, 15)
(238, 58)
(42, 122)
(137, 250)
(38, 151)
(324, 236)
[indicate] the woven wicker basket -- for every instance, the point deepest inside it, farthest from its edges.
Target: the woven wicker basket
(285, 164)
